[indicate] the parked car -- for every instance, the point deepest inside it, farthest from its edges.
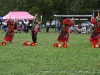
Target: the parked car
(55, 23)
(42, 25)
(4, 22)
(85, 23)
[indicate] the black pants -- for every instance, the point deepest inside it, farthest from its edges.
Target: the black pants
(47, 29)
(34, 36)
(26, 29)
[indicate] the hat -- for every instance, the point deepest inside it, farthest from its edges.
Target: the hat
(70, 23)
(65, 21)
(94, 21)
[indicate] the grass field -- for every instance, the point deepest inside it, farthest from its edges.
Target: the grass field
(43, 59)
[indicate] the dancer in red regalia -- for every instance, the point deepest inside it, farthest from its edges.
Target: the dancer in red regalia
(64, 35)
(10, 33)
(95, 36)
(19, 28)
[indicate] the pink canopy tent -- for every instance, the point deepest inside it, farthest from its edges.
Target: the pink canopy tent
(19, 15)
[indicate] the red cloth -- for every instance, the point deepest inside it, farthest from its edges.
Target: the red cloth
(98, 30)
(19, 28)
(94, 41)
(35, 31)
(70, 23)
(15, 23)
(9, 22)
(95, 37)
(63, 37)
(94, 21)
(65, 21)
(11, 28)
(9, 36)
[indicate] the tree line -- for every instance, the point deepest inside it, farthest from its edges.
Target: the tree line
(49, 7)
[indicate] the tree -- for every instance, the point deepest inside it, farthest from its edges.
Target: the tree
(49, 7)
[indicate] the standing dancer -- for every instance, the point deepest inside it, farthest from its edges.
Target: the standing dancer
(95, 36)
(35, 27)
(10, 33)
(64, 35)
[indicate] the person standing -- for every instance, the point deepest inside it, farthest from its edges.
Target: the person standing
(19, 27)
(47, 26)
(26, 24)
(5, 26)
(35, 27)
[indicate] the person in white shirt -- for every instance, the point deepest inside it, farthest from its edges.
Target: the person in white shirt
(26, 23)
(83, 29)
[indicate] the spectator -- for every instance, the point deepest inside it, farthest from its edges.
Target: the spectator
(47, 26)
(26, 22)
(5, 26)
(57, 26)
(83, 29)
(19, 27)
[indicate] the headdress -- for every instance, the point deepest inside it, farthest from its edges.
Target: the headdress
(65, 21)
(68, 22)
(94, 21)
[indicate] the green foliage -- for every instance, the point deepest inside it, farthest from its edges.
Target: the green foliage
(49, 7)
(43, 59)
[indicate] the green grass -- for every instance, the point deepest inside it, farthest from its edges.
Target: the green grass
(43, 59)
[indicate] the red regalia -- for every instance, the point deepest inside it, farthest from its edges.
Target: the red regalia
(10, 33)
(19, 28)
(64, 35)
(95, 37)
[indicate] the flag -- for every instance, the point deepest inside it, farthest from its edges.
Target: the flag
(92, 16)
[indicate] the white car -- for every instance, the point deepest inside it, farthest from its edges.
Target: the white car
(85, 23)
(55, 23)
(4, 22)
